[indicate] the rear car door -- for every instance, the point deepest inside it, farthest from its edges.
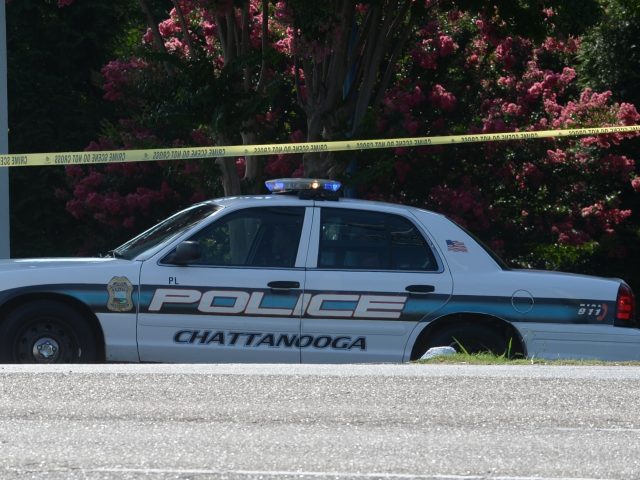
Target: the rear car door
(237, 301)
(372, 276)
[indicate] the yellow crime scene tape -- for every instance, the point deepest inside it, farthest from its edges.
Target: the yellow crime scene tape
(161, 154)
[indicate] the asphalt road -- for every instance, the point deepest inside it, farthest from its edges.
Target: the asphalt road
(309, 422)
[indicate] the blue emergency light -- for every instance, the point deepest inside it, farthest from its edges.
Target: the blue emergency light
(304, 187)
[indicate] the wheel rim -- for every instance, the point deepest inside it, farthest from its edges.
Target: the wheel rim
(45, 341)
(46, 349)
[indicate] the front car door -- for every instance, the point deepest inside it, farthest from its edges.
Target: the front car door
(238, 301)
(372, 276)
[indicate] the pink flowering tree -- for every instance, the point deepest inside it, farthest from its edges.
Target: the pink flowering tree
(209, 74)
(222, 72)
(218, 73)
(551, 203)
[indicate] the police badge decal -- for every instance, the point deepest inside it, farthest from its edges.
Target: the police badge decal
(120, 290)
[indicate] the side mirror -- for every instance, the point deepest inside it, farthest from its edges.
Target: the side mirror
(185, 253)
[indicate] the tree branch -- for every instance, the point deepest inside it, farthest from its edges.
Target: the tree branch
(244, 46)
(184, 26)
(221, 23)
(371, 68)
(393, 58)
(338, 66)
(265, 45)
(372, 56)
(296, 74)
(236, 39)
(157, 36)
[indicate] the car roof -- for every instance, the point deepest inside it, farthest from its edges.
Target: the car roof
(293, 200)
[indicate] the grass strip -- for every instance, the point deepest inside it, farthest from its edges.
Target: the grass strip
(490, 359)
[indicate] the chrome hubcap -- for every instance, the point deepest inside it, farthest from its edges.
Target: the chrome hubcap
(45, 349)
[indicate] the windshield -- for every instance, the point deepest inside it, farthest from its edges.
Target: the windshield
(163, 231)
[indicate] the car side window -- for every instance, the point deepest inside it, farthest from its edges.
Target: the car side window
(253, 237)
(363, 239)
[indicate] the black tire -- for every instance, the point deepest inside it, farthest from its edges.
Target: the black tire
(469, 338)
(46, 331)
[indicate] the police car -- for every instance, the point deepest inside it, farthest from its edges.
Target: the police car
(301, 275)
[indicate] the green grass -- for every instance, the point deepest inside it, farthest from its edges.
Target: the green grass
(490, 359)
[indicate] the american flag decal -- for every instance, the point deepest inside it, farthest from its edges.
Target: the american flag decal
(456, 246)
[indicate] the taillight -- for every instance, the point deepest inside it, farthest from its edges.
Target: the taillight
(625, 307)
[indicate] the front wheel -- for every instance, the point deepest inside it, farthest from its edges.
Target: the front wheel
(46, 331)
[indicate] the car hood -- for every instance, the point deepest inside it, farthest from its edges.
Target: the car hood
(72, 271)
(41, 263)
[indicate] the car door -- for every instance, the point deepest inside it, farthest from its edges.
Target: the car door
(371, 277)
(237, 301)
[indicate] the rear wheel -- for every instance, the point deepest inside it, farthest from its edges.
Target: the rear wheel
(46, 331)
(469, 338)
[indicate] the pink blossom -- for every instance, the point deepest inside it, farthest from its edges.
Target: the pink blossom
(94, 201)
(200, 137)
(93, 180)
(554, 45)
(427, 60)
(168, 27)
(76, 208)
(446, 45)
(283, 12)
(627, 114)
(147, 38)
(117, 75)
(493, 125)
(472, 60)
(568, 76)
(507, 82)
(593, 210)
(619, 165)
(297, 136)
(504, 53)
(281, 165)
(176, 45)
(113, 204)
(535, 90)
(74, 171)
(556, 156)
(209, 28)
(552, 107)
(241, 166)
(512, 109)
(284, 45)
(411, 126)
(442, 99)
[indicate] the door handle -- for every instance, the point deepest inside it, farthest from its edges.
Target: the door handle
(283, 285)
(420, 289)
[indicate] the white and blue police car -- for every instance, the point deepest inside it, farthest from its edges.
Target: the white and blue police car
(304, 276)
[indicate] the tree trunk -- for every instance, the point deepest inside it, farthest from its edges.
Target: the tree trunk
(316, 164)
(253, 165)
(230, 179)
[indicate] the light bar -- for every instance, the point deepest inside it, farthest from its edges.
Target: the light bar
(297, 185)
